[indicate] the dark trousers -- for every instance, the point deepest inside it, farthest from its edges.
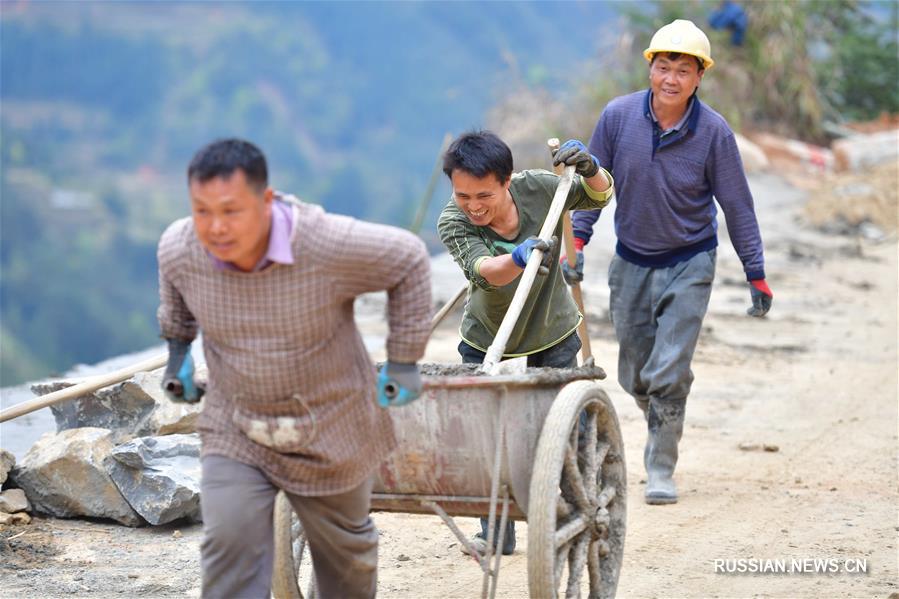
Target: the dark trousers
(561, 355)
(237, 552)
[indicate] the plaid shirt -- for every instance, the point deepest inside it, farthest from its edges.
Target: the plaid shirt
(283, 342)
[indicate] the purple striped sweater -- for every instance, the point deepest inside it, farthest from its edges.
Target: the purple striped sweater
(665, 187)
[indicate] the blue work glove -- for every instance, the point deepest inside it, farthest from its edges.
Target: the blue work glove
(523, 250)
(398, 384)
(178, 381)
(574, 153)
(575, 274)
(761, 298)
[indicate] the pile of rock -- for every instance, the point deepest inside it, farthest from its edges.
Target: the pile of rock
(14, 506)
(124, 453)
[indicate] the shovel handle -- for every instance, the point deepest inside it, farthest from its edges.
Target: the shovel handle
(449, 305)
(571, 257)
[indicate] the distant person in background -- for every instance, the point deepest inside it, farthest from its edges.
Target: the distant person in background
(290, 400)
(731, 16)
(490, 228)
(672, 156)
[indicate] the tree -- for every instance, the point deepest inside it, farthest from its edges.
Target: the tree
(803, 62)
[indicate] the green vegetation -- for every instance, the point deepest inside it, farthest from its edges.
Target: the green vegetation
(803, 62)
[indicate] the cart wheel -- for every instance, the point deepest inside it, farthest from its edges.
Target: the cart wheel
(293, 564)
(578, 492)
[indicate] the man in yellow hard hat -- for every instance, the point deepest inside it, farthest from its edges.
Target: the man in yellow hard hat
(672, 157)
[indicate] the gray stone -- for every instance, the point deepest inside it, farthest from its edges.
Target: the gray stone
(7, 461)
(63, 475)
(14, 500)
(14, 519)
(168, 417)
(137, 406)
(114, 408)
(159, 476)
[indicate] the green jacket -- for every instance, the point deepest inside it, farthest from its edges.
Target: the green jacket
(549, 314)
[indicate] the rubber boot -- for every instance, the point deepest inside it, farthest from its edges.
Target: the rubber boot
(666, 425)
(643, 404)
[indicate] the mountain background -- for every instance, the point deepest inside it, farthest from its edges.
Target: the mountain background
(102, 105)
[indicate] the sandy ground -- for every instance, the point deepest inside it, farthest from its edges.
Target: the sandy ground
(817, 378)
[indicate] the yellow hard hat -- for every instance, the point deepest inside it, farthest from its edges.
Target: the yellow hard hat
(684, 37)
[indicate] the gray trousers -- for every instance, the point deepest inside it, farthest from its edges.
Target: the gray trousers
(657, 314)
(237, 551)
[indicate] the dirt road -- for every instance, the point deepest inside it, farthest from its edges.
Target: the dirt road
(817, 379)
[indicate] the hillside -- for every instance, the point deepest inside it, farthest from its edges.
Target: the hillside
(104, 103)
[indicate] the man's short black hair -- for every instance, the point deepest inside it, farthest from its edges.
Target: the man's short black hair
(675, 56)
(479, 153)
(223, 157)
